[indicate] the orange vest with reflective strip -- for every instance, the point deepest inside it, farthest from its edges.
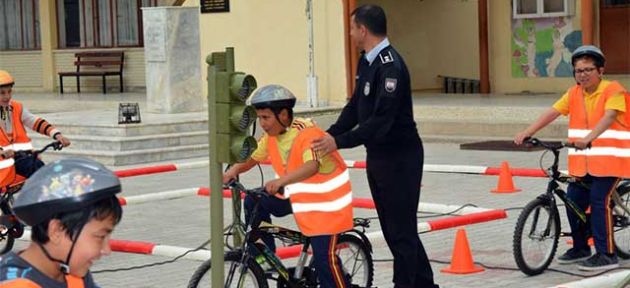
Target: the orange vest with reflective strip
(17, 140)
(71, 281)
(321, 204)
(609, 155)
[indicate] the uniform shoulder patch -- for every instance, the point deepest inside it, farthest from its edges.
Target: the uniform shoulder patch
(390, 84)
(386, 57)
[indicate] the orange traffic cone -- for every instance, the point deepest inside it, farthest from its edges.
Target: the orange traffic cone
(505, 184)
(462, 261)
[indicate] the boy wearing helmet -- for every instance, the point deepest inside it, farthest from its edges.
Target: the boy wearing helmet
(14, 117)
(318, 188)
(596, 110)
(72, 207)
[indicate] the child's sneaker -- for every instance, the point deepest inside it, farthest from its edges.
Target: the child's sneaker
(573, 255)
(599, 261)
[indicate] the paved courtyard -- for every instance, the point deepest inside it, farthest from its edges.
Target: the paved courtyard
(185, 222)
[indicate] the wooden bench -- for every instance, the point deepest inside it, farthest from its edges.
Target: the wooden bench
(96, 63)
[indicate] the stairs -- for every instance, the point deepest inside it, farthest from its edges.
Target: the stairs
(96, 135)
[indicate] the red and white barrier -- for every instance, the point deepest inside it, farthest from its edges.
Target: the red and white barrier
(376, 238)
(438, 168)
(365, 203)
(159, 169)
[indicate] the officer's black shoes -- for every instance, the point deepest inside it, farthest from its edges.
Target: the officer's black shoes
(573, 255)
(599, 261)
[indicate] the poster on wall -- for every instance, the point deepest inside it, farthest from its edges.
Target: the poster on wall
(542, 47)
(214, 6)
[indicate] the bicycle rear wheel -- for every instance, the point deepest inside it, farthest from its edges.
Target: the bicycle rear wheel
(356, 260)
(253, 275)
(536, 236)
(621, 221)
(6, 240)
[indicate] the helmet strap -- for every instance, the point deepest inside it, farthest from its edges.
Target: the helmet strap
(75, 237)
(65, 269)
(286, 127)
(64, 266)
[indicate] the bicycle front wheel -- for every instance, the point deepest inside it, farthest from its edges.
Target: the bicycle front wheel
(621, 221)
(6, 240)
(252, 276)
(536, 236)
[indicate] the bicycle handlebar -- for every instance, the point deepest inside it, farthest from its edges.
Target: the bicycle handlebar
(256, 192)
(56, 145)
(549, 146)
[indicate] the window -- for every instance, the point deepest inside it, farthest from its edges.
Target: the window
(19, 25)
(101, 23)
(542, 8)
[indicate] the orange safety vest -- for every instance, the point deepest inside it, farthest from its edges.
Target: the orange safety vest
(72, 281)
(321, 204)
(17, 140)
(609, 155)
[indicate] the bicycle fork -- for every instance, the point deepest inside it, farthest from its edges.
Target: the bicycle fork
(299, 268)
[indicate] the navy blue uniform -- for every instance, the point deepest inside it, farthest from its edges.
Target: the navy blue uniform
(381, 107)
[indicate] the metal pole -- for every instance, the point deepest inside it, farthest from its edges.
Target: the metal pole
(216, 177)
(484, 66)
(311, 79)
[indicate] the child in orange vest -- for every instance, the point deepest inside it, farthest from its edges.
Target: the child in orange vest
(597, 116)
(318, 189)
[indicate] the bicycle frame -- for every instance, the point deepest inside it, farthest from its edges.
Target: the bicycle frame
(251, 236)
(252, 246)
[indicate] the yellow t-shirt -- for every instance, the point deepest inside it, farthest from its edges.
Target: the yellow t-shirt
(615, 102)
(285, 143)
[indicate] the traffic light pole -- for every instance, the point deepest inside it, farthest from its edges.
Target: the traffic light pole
(229, 123)
(216, 177)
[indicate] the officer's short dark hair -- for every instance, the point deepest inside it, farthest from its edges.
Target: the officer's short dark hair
(72, 222)
(372, 17)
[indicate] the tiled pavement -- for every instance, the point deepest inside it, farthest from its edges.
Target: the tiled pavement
(185, 222)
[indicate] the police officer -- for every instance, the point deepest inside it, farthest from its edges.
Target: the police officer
(381, 107)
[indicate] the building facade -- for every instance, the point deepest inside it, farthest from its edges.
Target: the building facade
(529, 41)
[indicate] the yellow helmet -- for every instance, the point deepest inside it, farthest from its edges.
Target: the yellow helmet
(6, 79)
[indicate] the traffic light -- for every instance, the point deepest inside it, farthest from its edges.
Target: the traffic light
(229, 91)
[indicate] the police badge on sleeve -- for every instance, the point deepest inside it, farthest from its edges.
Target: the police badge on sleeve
(390, 84)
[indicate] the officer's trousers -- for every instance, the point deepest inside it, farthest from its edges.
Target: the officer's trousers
(394, 176)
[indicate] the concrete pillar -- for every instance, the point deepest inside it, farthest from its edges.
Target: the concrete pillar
(48, 33)
(172, 52)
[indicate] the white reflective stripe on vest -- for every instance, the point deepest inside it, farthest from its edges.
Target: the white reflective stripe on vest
(601, 151)
(19, 146)
(6, 163)
(608, 134)
(335, 205)
(317, 188)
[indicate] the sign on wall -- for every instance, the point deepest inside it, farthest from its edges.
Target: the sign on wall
(214, 6)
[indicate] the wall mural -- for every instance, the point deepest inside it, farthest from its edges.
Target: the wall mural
(541, 47)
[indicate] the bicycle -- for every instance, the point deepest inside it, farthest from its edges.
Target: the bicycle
(10, 226)
(243, 269)
(539, 221)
